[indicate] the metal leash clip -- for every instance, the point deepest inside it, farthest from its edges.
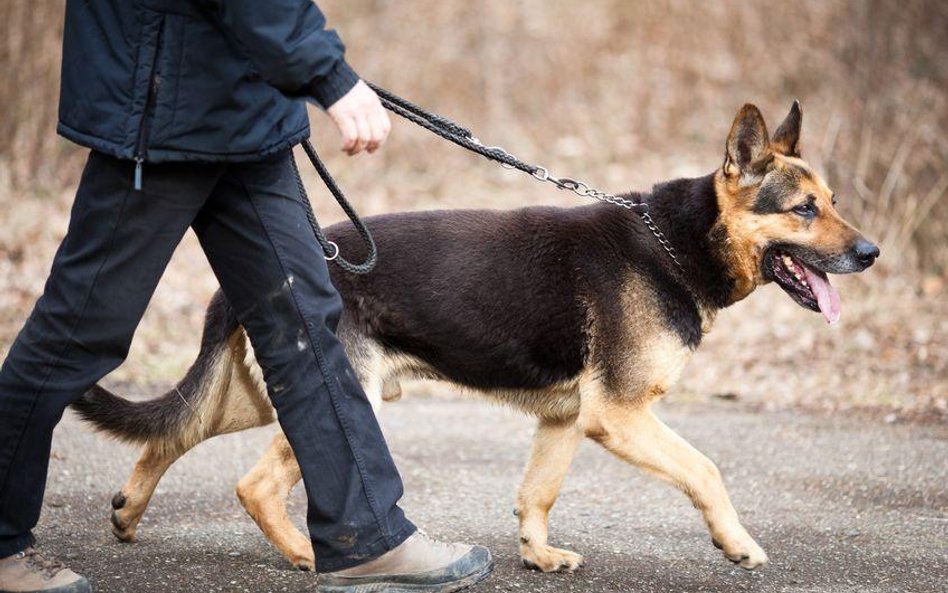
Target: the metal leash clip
(570, 184)
(335, 253)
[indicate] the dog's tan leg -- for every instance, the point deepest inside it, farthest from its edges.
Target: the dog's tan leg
(632, 432)
(129, 504)
(264, 490)
(263, 493)
(554, 446)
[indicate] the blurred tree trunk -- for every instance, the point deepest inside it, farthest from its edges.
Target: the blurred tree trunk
(30, 53)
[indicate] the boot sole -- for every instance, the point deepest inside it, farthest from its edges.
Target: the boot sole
(384, 587)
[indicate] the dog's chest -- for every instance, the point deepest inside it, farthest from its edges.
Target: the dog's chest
(660, 362)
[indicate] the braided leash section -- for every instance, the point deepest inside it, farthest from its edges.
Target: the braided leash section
(437, 120)
(449, 130)
(330, 248)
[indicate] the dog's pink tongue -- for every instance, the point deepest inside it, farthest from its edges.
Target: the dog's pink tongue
(826, 296)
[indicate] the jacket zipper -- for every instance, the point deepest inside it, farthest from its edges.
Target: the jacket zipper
(146, 116)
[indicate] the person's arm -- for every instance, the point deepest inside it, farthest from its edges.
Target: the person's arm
(289, 45)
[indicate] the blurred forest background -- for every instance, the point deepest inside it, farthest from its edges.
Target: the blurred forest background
(622, 94)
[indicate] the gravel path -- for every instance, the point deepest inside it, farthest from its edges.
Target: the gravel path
(841, 504)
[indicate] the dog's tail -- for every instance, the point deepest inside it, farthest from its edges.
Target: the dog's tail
(167, 416)
(131, 421)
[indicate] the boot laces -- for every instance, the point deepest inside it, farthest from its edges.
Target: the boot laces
(37, 561)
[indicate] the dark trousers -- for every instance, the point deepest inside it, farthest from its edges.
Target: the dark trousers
(251, 224)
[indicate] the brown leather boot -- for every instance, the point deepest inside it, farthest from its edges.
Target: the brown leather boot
(419, 565)
(28, 572)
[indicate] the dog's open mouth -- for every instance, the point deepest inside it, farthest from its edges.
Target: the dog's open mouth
(809, 287)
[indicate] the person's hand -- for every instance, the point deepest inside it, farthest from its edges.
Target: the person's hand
(361, 120)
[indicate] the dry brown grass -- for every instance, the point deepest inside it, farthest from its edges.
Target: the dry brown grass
(623, 94)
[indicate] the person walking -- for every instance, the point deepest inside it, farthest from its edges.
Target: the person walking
(191, 109)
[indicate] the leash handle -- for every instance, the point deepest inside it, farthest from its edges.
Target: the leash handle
(330, 248)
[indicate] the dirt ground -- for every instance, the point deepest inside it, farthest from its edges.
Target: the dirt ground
(841, 504)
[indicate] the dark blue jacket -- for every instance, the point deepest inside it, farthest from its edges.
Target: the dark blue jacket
(199, 80)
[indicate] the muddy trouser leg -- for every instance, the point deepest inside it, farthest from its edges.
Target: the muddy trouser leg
(255, 234)
(104, 273)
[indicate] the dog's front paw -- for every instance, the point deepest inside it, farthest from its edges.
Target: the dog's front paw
(743, 552)
(304, 562)
(550, 559)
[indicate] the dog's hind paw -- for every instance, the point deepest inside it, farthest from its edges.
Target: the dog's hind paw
(550, 559)
(122, 528)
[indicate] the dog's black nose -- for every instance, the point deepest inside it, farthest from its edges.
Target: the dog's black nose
(866, 252)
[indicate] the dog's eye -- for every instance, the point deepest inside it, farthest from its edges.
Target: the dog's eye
(807, 210)
(834, 199)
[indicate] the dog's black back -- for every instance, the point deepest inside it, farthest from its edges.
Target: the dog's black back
(507, 299)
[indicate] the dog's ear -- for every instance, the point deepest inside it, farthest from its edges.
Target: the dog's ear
(787, 137)
(748, 145)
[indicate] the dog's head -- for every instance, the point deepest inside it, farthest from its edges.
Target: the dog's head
(779, 219)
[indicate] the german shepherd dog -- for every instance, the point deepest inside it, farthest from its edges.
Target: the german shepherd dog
(577, 316)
